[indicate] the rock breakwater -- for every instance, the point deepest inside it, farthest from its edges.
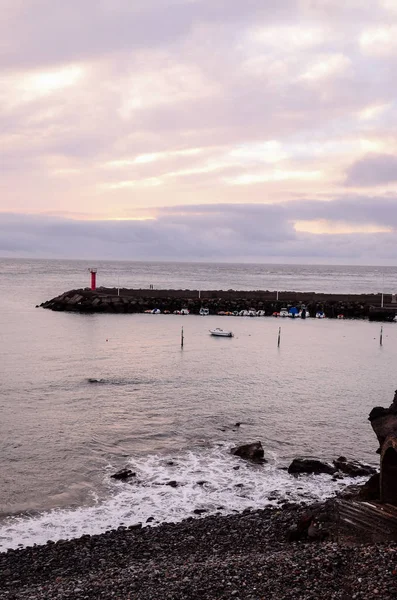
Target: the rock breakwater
(108, 300)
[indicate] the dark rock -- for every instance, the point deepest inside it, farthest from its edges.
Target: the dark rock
(123, 475)
(252, 451)
(299, 530)
(370, 491)
(384, 421)
(237, 424)
(316, 533)
(310, 466)
(200, 511)
(353, 468)
(149, 520)
(203, 482)
(172, 483)
(350, 492)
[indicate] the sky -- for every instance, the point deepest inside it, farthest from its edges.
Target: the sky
(208, 130)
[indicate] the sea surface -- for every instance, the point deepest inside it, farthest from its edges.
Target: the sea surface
(82, 396)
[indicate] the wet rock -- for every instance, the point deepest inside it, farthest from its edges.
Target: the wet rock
(172, 483)
(123, 475)
(200, 511)
(310, 466)
(252, 451)
(353, 468)
(370, 491)
(299, 530)
(350, 492)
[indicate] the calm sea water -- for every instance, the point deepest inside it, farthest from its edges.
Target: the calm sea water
(168, 413)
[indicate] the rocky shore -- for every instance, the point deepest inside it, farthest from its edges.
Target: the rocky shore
(344, 548)
(107, 300)
(249, 556)
(341, 549)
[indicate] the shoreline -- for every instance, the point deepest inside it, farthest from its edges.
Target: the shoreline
(246, 556)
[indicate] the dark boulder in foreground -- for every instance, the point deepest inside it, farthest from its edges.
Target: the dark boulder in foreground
(384, 424)
(370, 491)
(353, 468)
(384, 421)
(252, 451)
(123, 475)
(310, 466)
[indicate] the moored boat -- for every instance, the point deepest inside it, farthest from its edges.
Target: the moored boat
(221, 333)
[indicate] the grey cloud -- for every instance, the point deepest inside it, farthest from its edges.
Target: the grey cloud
(74, 30)
(206, 232)
(373, 169)
(361, 210)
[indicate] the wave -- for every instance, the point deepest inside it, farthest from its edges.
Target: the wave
(172, 488)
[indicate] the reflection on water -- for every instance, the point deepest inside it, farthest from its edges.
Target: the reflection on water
(83, 395)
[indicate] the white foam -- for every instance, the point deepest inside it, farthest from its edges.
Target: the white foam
(249, 486)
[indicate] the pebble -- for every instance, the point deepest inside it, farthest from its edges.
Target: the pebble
(242, 556)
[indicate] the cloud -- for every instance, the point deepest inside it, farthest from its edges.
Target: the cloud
(233, 232)
(373, 170)
(112, 108)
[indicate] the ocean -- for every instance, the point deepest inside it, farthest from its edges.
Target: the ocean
(82, 396)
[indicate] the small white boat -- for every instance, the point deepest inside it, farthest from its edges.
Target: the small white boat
(320, 315)
(204, 312)
(221, 333)
(284, 312)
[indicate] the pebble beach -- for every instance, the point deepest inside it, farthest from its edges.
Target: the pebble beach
(247, 556)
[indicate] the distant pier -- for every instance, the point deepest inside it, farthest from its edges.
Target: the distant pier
(375, 307)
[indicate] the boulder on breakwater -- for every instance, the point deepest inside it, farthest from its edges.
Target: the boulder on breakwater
(108, 300)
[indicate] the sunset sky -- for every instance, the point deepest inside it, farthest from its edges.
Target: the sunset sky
(214, 130)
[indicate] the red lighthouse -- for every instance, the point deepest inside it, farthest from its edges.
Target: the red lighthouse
(93, 279)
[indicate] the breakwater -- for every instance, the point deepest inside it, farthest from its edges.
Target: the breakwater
(112, 300)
